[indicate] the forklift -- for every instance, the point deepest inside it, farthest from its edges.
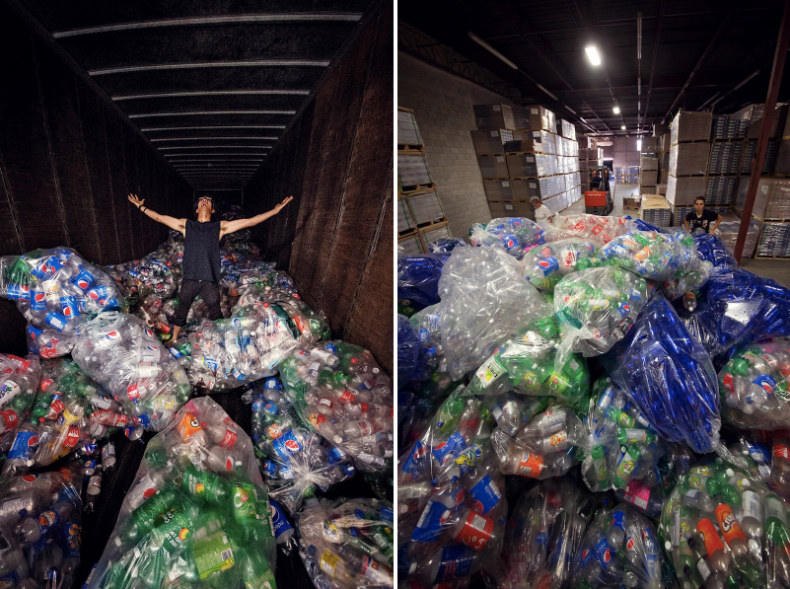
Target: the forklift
(598, 200)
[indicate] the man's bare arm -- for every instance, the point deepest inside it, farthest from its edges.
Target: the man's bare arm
(175, 224)
(228, 227)
(686, 225)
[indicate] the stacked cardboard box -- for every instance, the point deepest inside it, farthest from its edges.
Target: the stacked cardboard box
(768, 163)
(728, 232)
(688, 158)
(720, 190)
(772, 201)
(648, 174)
(408, 133)
(754, 115)
(729, 127)
(725, 157)
(655, 210)
(775, 240)
(494, 116)
(690, 126)
(782, 163)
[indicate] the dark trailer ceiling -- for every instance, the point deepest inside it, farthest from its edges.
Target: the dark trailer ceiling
(212, 85)
(709, 48)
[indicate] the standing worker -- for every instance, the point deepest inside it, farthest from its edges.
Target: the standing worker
(543, 215)
(701, 218)
(201, 253)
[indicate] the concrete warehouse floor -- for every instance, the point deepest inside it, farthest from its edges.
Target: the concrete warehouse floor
(778, 270)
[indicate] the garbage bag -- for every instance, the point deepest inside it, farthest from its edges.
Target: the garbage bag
(295, 462)
(41, 528)
(600, 230)
(410, 352)
(485, 299)
(755, 386)
(452, 508)
(596, 308)
(712, 249)
(348, 545)
(512, 234)
(121, 354)
(341, 393)
(544, 266)
(418, 280)
(197, 513)
(445, 245)
(544, 532)
(620, 548)
(670, 379)
(722, 525)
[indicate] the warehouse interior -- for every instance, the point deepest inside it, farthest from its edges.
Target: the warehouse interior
(247, 102)
(655, 60)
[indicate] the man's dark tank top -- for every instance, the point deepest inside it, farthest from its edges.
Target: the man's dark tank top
(201, 250)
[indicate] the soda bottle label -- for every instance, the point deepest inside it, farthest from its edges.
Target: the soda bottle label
(8, 420)
(604, 553)
(331, 533)
(286, 446)
(637, 494)
(328, 563)
(213, 555)
(766, 381)
(72, 437)
(711, 539)
(188, 426)
(486, 494)
(456, 563)
(531, 465)
(430, 525)
(454, 444)
(703, 569)
(775, 509)
(751, 505)
(781, 451)
(490, 371)
(23, 447)
(279, 522)
(8, 390)
(728, 525)
(371, 568)
(476, 531)
(618, 520)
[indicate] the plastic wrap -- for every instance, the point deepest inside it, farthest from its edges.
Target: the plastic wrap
(445, 245)
(542, 448)
(197, 513)
(410, 352)
(19, 380)
(670, 379)
(485, 299)
(619, 549)
(339, 391)
(596, 308)
(121, 354)
(418, 280)
(513, 234)
(544, 266)
(41, 528)
(724, 527)
(755, 386)
(308, 325)
(543, 534)
(712, 249)
(621, 450)
(53, 287)
(295, 462)
(451, 505)
(599, 230)
(348, 545)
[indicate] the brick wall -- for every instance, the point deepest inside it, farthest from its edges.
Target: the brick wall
(442, 104)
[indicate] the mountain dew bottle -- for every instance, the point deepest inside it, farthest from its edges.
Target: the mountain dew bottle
(205, 486)
(449, 415)
(570, 380)
(255, 570)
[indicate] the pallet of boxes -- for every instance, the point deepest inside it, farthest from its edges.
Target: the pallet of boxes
(648, 179)
(421, 218)
(523, 152)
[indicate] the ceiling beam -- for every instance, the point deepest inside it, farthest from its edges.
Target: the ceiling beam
(154, 129)
(659, 24)
(212, 113)
(214, 138)
(210, 64)
(283, 92)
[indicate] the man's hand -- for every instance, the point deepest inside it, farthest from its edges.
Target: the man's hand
(135, 201)
(280, 206)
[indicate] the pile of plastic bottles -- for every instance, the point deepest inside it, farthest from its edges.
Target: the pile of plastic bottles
(197, 513)
(295, 462)
(41, 528)
(150, 274)
(545, 266)
(445, 245)
(151, 310)
(600, 230)
(121, 354)
(451, 505)
(341, 393)
(723, 526)
(619, 549)
(544, 532)
(418, 282)
(19, 379)
(596, 308)
(348, 544)
(514, 234)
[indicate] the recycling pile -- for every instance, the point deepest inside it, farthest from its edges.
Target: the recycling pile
(607, 359)
(19, 379)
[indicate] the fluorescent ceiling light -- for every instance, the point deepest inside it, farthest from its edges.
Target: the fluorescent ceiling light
(491, 50)
(623, 127)
(639, 145)
(617, 110)
(592, 54)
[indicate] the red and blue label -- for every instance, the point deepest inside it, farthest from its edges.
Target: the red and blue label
(454, 444)
(485, 494)
(286, 446)
(456, 563)
(548, 265)
(24, 446)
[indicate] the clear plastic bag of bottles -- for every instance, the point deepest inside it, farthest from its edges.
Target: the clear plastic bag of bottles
(544, 266)
(599, 230)
(596, 308)
(295, 462)
(197, 513)
(621, 450)
(712, 249)
(149, 274)
(513, 234)
(41, 528)
(410, 352)
(418, 281)
(657, 256)
(619, 549)
(755, 386)
(53, 287)
(19, 380)
(542, 448)
(452, 508)
(543, 534)
(341, 393)
(445, 245)
(120, 353)
(151, 310)
(49, 342)
(348, 545)
(723, 527)
(670, 379)
(485, 299)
